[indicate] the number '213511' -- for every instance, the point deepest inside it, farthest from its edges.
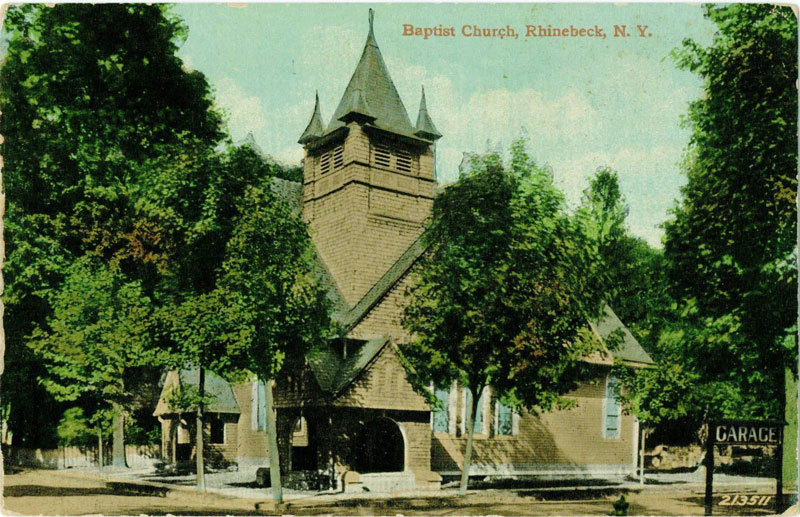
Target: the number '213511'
(744, 500)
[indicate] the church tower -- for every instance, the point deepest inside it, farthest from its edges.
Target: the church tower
(368, 176)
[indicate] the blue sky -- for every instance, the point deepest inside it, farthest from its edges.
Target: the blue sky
(582, 102)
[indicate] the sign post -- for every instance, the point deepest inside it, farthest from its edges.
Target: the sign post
(743, 432)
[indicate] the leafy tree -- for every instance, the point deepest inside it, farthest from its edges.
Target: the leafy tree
(73, 428)
(89, 94)
(504, 293)
(268, 273)
(205, 332)
(99, 326)
(731, 245)
(636, 287)
(83, 85)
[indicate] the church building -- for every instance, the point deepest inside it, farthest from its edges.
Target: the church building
(351, 418)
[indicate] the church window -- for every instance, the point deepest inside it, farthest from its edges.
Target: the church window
(258, 415)
(506, 421)
(478, 425)
(217, 431)
(441, 414)
(611, 409)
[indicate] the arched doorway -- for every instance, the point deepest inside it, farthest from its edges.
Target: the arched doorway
(304, 446)
(379, 447)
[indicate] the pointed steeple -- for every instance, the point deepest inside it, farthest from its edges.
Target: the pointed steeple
(315, 127)
(425, 127)
(371, 94)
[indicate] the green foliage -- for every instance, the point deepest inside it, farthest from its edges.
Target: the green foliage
(731, 245)
(143, 431)
(502, 297)
(183, 399)
(91, 97)
(99, 325)
(74, 429)
(267, 273)
(84, 85)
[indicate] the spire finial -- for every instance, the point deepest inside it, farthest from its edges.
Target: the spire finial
(371, 18)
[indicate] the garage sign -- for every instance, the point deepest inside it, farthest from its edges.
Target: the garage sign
(743, 432)
(747, 433)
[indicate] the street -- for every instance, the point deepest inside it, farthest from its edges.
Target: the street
(52, 492)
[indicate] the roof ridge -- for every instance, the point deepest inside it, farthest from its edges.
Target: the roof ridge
(385, 283)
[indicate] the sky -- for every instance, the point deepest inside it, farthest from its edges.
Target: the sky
(582, 102)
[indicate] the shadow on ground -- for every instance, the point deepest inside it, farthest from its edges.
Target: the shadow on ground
(52, 491)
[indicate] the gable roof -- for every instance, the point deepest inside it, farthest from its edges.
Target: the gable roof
(334, 373)
(629, 350)
(394, 274)
(371, 93)
(215, 387)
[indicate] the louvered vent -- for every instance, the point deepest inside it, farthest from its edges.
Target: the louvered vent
(338, 158)
(383, 155)
(403, 160)
(325, 163)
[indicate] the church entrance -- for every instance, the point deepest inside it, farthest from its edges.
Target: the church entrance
(380, 447)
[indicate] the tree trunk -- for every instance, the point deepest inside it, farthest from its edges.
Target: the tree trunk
(173, 444)
(641, 457)
(201, 470)
(471, 412)
(118, 438)
(272, 444)
(100, 449)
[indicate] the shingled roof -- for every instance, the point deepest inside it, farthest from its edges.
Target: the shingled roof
(315, 127)
(335, 373)
(425, 127)
(372, 94)
(629, 349)
(215, 387)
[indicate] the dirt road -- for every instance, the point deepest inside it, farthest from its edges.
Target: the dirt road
(49, 492)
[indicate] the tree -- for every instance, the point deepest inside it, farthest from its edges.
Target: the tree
(637, 288)
(268, 271)
(205, 332)
(503, 295)
(731, 244)
(88, 95)
(99, 327)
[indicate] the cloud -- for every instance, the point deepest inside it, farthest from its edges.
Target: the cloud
(245, 112)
